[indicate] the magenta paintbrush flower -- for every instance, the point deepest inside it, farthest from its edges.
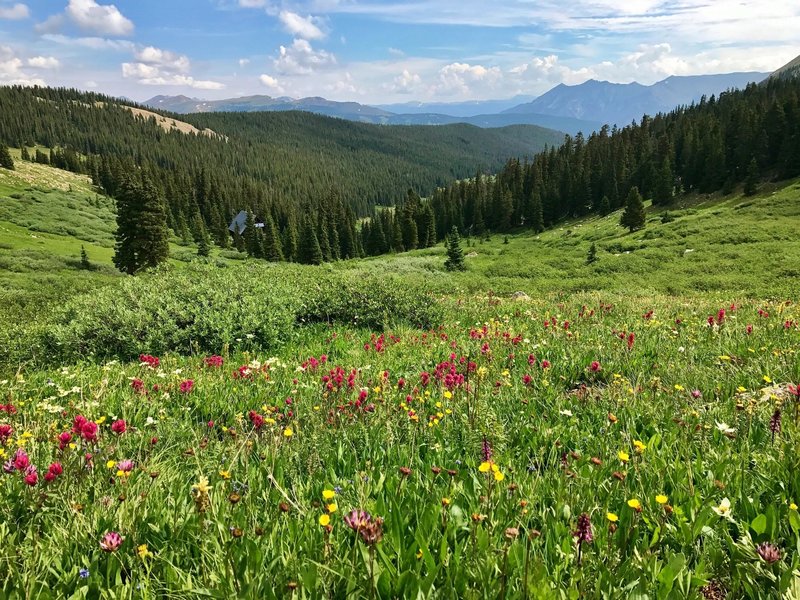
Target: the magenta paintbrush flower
(111, 541)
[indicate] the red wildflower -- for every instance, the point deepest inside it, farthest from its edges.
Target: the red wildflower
(31, 476)
(213, 361)
(186, 386)
(119, 426)
(5, 433)
(137, 385)
(595, 367)
(147, 360)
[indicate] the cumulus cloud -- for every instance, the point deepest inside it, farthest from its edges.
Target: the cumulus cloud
(44, 62)
(11, 69)
(100, 18)
(155, 66)
(272, 83)
(458, 78)
(301, 59)
(243, 62)
(405, 83)
(307, 28)
(548, 70)
(14, 12)
(164, 59)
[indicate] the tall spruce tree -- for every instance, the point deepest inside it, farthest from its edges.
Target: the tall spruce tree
(6, 162)
(455, 255)
(751, 183)
(309, 250)
(633, 217)
(142, 237)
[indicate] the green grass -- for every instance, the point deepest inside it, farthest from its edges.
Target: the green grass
(744, 247)
(685, 409)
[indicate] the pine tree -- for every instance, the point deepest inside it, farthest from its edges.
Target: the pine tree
(591, 257)
(238, 240)
(455, 255)
(664, 184)
(6, 162)
(85, 264)
(290, 241)
(751, 183)
(142, 237)
(24, 154)
(252, 243)
(633, 216)
(204, 244)
(272, 241)
(605, 206)
(309, 251)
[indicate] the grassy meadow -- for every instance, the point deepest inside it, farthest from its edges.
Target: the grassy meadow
(382, 428)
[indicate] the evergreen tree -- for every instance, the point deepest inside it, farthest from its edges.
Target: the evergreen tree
(6, 162)
(751, 183)
(591, 257)
(42, 159)
(238, 240)
(605, 206)
(664, 184)
(85, 264)
(204, 244)
(272, 242)
(290, 241)
(25, 155)
(633, 217)
(142, 237)
(309, 251)
(455, 255)
(252, 243)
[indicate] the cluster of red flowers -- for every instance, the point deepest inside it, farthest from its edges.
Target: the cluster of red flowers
(718, 320)
(85, 428)
(186, 386)
(312, 363)
(336, 377)
(213, 361)
(8, 408)
(148, 360)
(375, 343)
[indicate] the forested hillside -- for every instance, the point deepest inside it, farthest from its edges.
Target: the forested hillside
(737, 138)
(305, 175)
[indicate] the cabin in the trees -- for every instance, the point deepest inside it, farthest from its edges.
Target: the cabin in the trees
(239, 222)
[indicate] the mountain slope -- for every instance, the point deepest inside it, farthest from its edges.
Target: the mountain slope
(617, 103)
(789, 70)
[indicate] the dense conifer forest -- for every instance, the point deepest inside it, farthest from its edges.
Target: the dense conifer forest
(308, 180)
(717, 144)
(298, 172)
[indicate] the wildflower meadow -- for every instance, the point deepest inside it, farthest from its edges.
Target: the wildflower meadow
(590, 446)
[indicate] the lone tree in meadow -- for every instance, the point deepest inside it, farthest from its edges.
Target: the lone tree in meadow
(6, 161)
(142, 237)
(85, 263)
(455, 255)
(633, 217)
(591, 257)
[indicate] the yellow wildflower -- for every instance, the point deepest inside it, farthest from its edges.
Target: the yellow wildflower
(634, 504)
(225, 474)
(498, 476)
(143, 552)
(623, 456)
(287, 433)
(328, 494)
(484, 467)
(332, 508)
(662, 499)
(111, 464)
(640, 446)
(324, 520)
(612, 517)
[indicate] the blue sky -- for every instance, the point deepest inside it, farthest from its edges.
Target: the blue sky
(373, 51)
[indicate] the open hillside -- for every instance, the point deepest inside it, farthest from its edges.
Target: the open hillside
(385, 428)
(366, 164)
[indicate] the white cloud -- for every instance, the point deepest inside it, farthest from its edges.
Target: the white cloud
(272, 83)
(14, 12)
(11, 72)
(155, 66)
(301, 27)
(163, 59)
(100, 18)
(301, 59)
(243, 62)
(44, 62)
(405, 83)
(458, 78)
(93, 43)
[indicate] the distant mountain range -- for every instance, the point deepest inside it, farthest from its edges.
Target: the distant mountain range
(621, 103)
(570, 109)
